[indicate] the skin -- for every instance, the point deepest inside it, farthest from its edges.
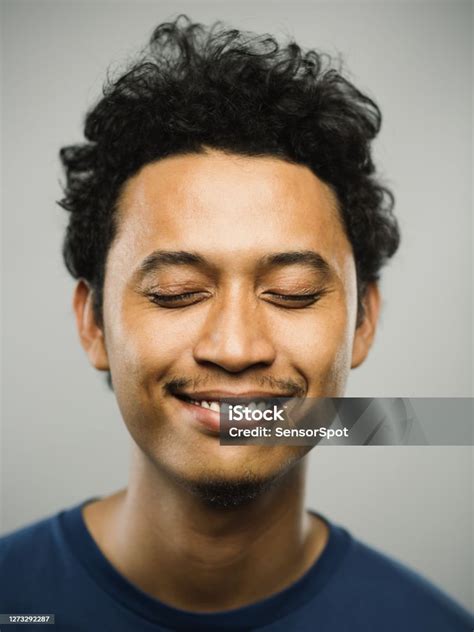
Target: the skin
(233, 333)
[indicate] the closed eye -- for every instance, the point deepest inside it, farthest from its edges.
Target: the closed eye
(294, 301)
(177, 300)
(291, 301)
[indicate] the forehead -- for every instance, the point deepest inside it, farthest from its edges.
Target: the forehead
(230, 205)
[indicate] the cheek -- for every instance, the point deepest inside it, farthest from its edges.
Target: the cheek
(143, 344)
(147, 346)
(140, 352)
(320, 347)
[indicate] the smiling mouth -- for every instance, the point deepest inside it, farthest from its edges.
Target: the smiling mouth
(216, 404)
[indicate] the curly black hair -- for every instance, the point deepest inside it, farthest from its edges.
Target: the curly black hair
(194, 87)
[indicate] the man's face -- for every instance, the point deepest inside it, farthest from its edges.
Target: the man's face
(229, 275)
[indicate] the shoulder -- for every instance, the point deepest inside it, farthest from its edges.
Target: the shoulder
(33, 558)
(26, 541)
(385, 587)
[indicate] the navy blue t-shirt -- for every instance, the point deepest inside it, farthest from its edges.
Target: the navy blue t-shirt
(55, 567)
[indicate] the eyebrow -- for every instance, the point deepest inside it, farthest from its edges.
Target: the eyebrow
(160, 259)
(308, 258)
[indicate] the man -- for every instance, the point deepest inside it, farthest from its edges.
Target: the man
(227, 230)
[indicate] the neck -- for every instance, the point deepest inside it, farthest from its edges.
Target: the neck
(194, 556)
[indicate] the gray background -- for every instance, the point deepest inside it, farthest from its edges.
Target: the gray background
(62, 436)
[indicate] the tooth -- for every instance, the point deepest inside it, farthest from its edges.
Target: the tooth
(261, 405)
(251, 406)
(205, 404)
(215, 406)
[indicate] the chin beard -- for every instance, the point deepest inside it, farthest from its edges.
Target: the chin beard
(220, 493)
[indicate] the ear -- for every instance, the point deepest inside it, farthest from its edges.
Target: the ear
(90, 334)
(365, 332)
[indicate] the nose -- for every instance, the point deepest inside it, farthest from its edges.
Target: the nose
(235, 337)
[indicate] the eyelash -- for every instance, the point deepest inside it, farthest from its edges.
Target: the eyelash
(314, 296)
(175, 298)
(170, 298)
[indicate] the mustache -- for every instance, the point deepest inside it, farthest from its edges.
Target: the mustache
(178, 384)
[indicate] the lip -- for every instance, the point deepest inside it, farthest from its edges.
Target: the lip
(217, 395)
(209, 420)
(205, 418)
